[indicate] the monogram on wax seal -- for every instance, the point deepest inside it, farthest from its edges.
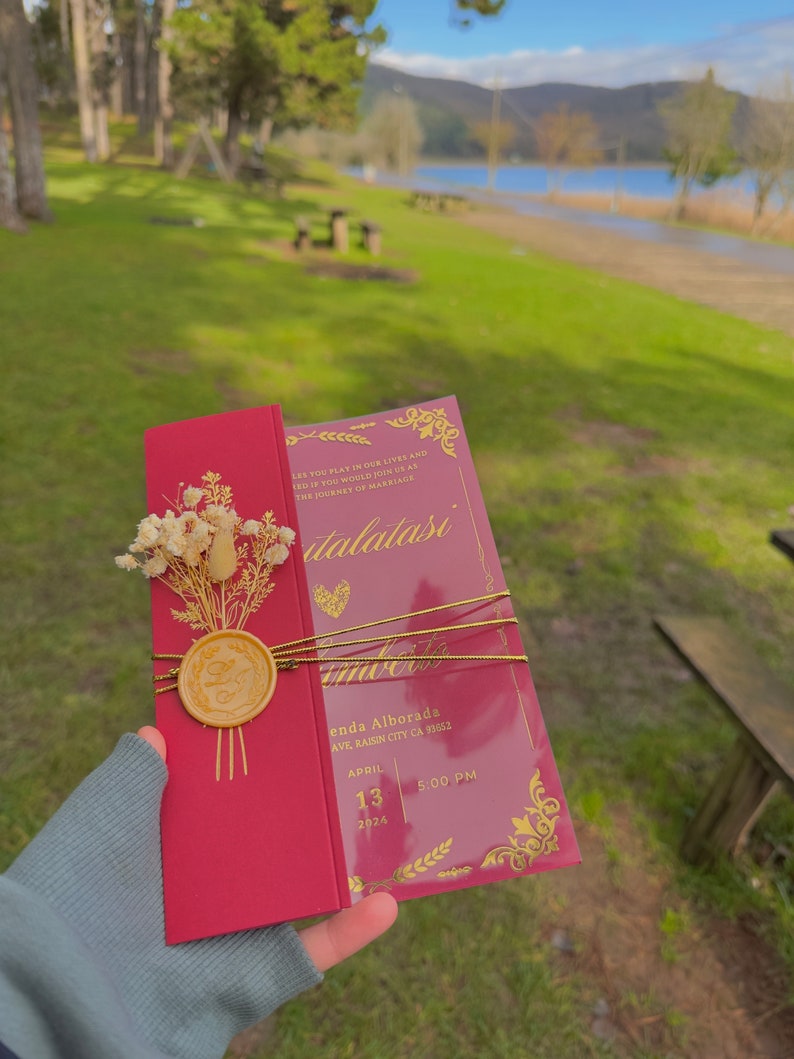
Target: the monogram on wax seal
(227, 678)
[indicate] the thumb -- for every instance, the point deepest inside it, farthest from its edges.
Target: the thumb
(154, 738)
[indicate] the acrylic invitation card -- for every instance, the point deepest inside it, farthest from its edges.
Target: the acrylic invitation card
(444, 773)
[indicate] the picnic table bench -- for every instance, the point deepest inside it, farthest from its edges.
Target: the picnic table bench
(437, 201)
(762, 756)
(339, 235)
(303, 233)
(784, 540)
(760, 705)
(370, 237)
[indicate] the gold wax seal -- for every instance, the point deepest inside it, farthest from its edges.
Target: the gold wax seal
(227, 678)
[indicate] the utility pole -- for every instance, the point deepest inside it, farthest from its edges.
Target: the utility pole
(620, 159)
(402, 141)
(493, 139)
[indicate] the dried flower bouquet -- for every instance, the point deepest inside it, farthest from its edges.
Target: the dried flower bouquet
(218, 563)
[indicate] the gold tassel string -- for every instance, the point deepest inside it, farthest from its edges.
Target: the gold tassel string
(282, 652)
(293, 663)
(397, 617)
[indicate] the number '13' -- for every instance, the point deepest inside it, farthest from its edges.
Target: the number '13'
(375, 798)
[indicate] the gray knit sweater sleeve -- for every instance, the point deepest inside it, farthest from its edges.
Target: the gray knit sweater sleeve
(84, 969)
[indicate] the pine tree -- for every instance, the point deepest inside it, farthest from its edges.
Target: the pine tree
(271, 63)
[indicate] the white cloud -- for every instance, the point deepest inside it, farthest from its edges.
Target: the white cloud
(744, 57)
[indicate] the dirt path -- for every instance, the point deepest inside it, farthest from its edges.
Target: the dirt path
(759, 295)
(672, 982)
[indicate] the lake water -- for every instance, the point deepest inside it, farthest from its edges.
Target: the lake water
(514, 185)
(649, 181)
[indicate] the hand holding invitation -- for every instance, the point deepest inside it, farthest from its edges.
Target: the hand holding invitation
(340, 677)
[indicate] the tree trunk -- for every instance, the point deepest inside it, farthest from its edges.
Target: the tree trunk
(9, 214)
(100, 89)
(63, 22)
(265, 131)
(23, 97)
(679, 200)
(152, 64)
(163, 144)
(126, 73)
(231, 146)
(82, 71)
(763, 189)
(139, 70)
(116, 83)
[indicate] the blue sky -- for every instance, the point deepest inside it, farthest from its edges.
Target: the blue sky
(750, 45)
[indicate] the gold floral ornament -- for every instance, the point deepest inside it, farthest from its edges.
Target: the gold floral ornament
(534, 831)
(220, 566)
(405, 873)
(431, 424)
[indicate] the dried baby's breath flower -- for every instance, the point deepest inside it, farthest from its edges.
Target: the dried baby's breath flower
(192, 495)
(148, 531)
(155, 566)
(192, 554)
(126, 562)
(286, 535)
(277, 554)
(220, 516)
(250, 528)
(176, 544)
(169, 525)
(201, 534)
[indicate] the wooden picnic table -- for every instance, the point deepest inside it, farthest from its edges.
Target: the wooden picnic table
(760, 705)
(784, 540)
(437, 201)
(339, 235)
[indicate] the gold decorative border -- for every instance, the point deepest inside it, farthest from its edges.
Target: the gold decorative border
(497, 609)
(405, 872)
(430, 424)
(453, 873)
(488, 576)
(328, 435)
(533, 837)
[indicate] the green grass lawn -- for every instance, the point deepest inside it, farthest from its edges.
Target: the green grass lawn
(634, 452)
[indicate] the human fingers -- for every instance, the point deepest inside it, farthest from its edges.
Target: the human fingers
(154, 738)
(339, 936)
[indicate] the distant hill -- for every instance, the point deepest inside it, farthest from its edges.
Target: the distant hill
(448, 110)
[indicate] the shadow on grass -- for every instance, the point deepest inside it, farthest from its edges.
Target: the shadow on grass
(610, 465)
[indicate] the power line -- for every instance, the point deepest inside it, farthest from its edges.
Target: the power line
(518, 111)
